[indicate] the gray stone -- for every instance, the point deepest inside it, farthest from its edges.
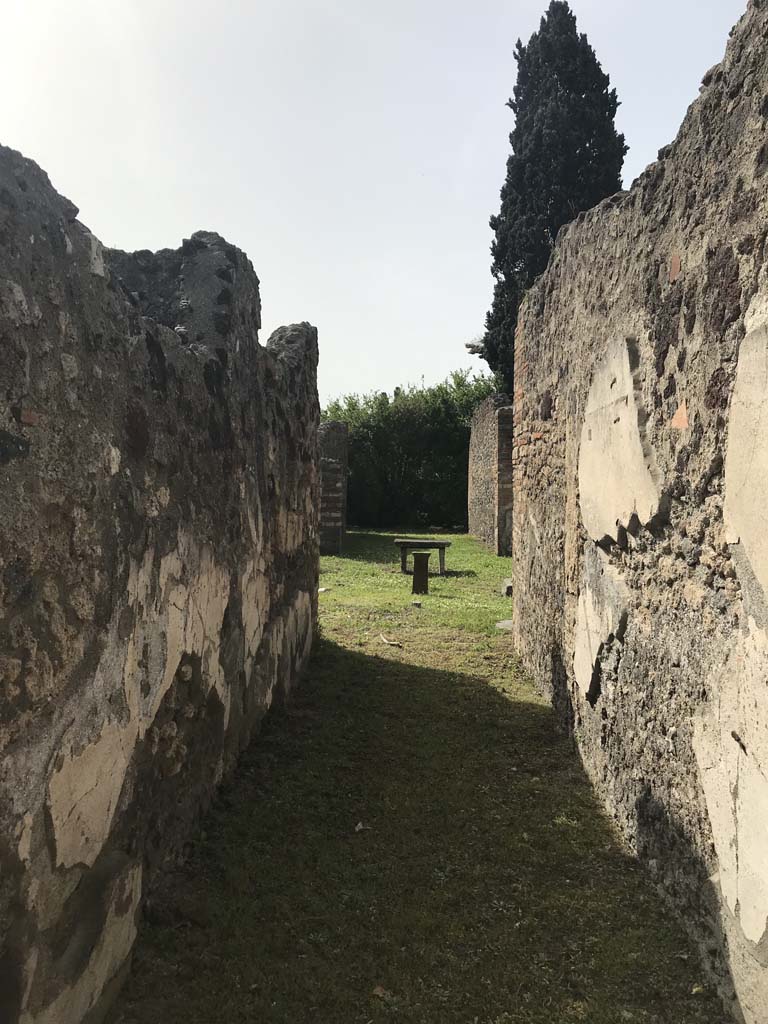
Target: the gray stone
(490, 474)
(420, 572)
(649, 330)
(158, 571)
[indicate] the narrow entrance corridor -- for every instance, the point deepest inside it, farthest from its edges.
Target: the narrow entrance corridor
(411, 840)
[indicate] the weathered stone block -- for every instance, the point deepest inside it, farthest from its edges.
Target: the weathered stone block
(489, 493)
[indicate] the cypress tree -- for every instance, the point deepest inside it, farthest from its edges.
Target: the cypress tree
(566, 157)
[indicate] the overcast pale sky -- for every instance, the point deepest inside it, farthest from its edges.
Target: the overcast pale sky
(354, 150)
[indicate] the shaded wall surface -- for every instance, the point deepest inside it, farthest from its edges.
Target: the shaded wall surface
(489, 492)
(334, 469)
(158, 571)
(641, 478)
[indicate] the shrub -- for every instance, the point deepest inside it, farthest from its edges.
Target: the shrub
(409, 452)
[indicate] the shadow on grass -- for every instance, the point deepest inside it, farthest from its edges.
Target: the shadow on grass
(363, 546)
(408, 843)
(456, 574)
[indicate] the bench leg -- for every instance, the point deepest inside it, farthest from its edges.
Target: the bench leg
(442, 561)
(403, 560)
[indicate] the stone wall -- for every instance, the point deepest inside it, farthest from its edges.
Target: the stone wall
(334, 462)
(158, 571)
(489, 492)
(641, 479)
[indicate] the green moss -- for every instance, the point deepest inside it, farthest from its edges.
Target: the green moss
(411, 840)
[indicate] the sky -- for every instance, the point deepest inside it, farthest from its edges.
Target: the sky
(355, 150)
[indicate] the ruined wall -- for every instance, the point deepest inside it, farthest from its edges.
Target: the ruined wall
(334, 461)
(158, 571)
(641, 478)
(489, 492)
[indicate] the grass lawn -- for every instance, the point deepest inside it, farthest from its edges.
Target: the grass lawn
(411, 840)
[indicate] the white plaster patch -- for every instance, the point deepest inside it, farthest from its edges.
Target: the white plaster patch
(716, 774)
(96, 257)
(110, 953)
(113, 459)
(13, 303)
(155, 504)
(254, 595)
(304, 622)
(66, 328)
(617, 475)
(183, 615)
(731, 745)
(69, 365)
(297, 637)
(757, 311)
(589, 630)
(746, 460)
(207, 599)
(750, 978)
(24, 833)
(29, 969)
(535, 528)
(83, 794)
(602, 603)
(752, 822)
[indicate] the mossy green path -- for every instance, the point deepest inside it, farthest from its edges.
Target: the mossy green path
(411, 840)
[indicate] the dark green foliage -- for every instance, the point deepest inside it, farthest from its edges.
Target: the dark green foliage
(566, 157)
(408, 454)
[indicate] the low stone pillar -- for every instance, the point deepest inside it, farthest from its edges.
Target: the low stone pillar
(421, 572)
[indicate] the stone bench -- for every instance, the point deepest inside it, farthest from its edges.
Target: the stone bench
(407, 544)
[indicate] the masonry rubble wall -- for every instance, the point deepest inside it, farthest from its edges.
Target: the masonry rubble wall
(489, 491)
(334, 470)
(641, 483)
(158, 571)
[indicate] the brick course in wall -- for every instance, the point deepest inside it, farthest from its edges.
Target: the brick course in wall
(334, 458)
(489, 491)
